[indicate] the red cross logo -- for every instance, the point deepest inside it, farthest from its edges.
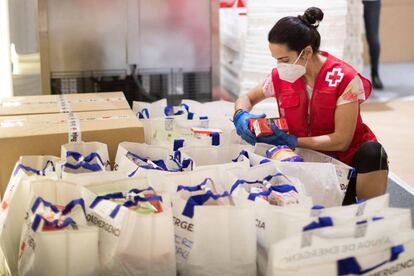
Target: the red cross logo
(334, 77)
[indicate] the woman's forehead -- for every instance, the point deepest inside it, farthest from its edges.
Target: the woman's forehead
(280, 50)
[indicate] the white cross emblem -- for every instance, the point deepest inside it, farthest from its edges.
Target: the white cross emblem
(334, 77)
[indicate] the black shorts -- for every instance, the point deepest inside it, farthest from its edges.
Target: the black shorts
(370, 157)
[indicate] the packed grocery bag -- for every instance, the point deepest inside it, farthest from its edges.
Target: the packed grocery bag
(17, 194)
(199, 156)
(136, 159)
(272, 194)
(212, 109)
(84, 157)
(198, 131)
(136, 233)
(160, 109)
(168, 183)
(288, 222)
(145, 110)
(56, 240)
(374, 245)
(325, 178)
(212, 236)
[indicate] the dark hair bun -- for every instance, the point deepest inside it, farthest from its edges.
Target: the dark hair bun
(312, 16)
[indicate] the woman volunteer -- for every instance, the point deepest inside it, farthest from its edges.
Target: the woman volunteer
(319, 95)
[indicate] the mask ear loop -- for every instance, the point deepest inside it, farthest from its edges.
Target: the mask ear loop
(301, 52)
(298, 56)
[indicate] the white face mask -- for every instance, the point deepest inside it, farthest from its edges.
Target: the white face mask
(291, 72)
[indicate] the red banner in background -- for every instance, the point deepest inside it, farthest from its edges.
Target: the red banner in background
(231, 3)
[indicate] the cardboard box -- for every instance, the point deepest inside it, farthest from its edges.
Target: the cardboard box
(44, 134)
(47, 104)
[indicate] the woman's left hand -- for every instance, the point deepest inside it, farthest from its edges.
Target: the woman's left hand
(279, 138)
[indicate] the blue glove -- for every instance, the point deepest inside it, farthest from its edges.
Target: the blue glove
(279, 138)
(241, 122)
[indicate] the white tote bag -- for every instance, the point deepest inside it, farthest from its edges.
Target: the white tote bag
(136, 159)
(266, 171)
(164, 131)
(325, 178)
(84, 160)
(363, 207)
(17, 195)
(26, 167)
(287, 225)
(343, 171)
(145, 110)
(288, 222)
(280, 223)
(199, 156)
(394, 260)
(335, 250)
(217, 174)
(159, 109)
(211, 236)
(270, 219)
(57, 241)
(85, 157)
(277, 223)
(131, 243)
(222, 109)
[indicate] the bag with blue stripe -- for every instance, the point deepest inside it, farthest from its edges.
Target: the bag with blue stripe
(266, 183)
(145, 110)
(370, 245)
(56, 240)
(152, 114)
(84, 157)
(136, 159)
(160, 109)
(325, 178)
(201, 156)
(287, 222)
(290, 225)
(272, 194)
(195, 131)
(212, 236)
(136, 233)
(13, 207)
(219, 174)
(215, 109)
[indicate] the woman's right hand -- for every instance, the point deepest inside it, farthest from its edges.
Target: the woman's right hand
(241, 122)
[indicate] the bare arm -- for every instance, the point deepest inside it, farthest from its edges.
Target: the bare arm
(247, 101)
(345, 123)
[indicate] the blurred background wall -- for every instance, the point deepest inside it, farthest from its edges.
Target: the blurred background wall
(396, 31)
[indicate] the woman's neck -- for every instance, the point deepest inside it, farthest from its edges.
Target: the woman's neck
(314, 66)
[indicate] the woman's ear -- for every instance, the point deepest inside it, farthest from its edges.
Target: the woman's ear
(308, 52)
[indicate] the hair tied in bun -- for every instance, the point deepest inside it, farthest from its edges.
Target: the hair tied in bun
(298, 32)
(312, 17)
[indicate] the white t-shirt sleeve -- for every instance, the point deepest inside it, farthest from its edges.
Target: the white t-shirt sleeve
(353, 92)
(268, 89)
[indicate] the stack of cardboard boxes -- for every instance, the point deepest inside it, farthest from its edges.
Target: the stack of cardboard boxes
(39, 125)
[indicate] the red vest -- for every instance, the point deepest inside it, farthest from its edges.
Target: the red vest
(293, 102)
